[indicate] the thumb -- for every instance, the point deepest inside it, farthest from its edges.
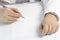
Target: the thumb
(45, 29)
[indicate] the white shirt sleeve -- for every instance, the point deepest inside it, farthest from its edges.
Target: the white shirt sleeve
(16, 1)
(9, 1)
(51, 6)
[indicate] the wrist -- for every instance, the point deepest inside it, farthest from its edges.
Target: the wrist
(52, 14)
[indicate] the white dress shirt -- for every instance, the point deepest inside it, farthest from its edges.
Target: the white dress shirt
(51, 6)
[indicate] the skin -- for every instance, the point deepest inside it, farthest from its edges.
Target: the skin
(9, 15)
(49, 25)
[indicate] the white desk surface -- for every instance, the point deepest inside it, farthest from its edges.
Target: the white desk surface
(25, 28)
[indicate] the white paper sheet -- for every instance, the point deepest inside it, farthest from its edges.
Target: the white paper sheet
(24, 27)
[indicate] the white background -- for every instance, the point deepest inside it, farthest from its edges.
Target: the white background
(26, 28)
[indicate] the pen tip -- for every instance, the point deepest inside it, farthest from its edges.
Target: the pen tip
(22, 16)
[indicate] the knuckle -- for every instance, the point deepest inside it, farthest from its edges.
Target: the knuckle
(18, 15)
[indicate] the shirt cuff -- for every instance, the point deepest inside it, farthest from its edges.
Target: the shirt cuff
(52, 8)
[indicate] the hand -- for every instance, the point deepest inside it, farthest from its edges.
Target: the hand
(49, 25)
(9, 15)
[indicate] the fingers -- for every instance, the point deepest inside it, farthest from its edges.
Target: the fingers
(44, 30)
(10, 20)
(55, 28)
(15, 15)
(48, 29)
(15, 12)
(11, 13)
